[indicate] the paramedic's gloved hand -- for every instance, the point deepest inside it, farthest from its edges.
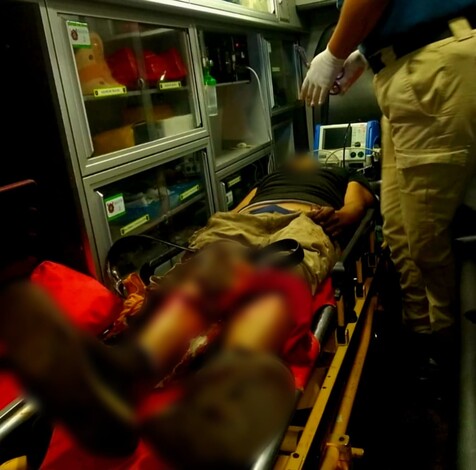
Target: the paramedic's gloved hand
(354, 66)
(320, 78)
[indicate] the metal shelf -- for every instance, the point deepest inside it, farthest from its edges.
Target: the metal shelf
(288, 108)
(144, 34)
(307, 4)
(149, 91)
(149, 225)
(239, 82)
(229, 156)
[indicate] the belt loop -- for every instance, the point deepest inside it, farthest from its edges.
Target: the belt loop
(461, 28)
(387, 55)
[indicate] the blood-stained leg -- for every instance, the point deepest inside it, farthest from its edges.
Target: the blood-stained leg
(238, 402)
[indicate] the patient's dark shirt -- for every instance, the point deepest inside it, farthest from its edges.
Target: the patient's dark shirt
(322, 186)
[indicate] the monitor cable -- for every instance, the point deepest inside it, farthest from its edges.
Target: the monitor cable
(345, 143)
(271, 162)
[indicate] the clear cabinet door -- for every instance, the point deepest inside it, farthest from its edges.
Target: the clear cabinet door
(168, 201)
(284, 73)
(135, 81)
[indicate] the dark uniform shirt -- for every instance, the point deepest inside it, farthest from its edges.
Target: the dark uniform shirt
(322, 186)
(403, 16)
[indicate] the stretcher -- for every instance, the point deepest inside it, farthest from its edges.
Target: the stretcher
(316, 434)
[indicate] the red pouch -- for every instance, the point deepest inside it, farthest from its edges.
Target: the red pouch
(124, 69)
(84, 300)
(164, 67)
(176, 67)
(155, 67)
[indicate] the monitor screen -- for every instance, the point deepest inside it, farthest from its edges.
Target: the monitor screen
(333, 138)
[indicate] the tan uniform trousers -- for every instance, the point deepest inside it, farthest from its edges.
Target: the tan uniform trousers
(428, 100)
(258, 231)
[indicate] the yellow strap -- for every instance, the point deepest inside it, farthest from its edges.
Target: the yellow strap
(461, 28)
(19, 463)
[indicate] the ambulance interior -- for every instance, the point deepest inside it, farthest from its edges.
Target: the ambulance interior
(141, 119)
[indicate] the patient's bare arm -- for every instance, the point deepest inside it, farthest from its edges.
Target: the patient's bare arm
(357, 200)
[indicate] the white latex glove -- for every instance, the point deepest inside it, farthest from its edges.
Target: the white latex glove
(354, 66)
(320, 78)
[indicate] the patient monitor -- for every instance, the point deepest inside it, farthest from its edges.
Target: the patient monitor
(359, 139)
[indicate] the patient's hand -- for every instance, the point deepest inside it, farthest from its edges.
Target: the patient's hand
(333, 222)
(320, 214)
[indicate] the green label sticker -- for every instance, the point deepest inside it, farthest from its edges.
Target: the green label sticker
(133, 225)
(234, 181)
(110, 91)
(78, 34)
(275, 69)
(115, 206)
(189, 192)
(169, 85)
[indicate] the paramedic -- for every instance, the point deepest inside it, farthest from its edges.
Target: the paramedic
(423, 57)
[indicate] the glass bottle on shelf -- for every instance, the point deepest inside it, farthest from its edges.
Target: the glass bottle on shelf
(210, 89)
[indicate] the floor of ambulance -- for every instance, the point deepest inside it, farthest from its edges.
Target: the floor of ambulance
(398, 421)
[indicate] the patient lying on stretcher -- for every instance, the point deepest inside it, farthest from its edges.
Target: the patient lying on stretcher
(232, 406)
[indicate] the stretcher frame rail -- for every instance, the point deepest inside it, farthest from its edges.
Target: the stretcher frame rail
(344, 286)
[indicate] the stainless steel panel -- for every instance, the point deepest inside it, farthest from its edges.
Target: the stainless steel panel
(70, 149)
(243, 162)
(231, 8)
(308, 4)
(71, 88)
(222, 195)
(294, 18)
(216, 10)
(195, 65)
(98, 164)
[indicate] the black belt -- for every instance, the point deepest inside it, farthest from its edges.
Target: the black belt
(420, 37)
(282, 254)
